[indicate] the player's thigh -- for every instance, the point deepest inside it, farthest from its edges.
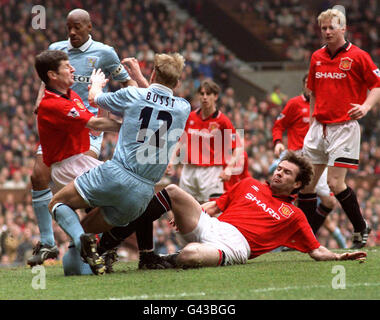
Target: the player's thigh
(185, 208)
(94, 222)
(69, 196)
(318, 170)
(41, 174)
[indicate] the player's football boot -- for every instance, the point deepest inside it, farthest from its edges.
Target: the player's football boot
(150, 260)
(90, 255)
(359, 239)
(42, 252)
(171, 259)
(110, 257)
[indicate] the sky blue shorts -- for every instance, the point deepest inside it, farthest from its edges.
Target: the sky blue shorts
(122, 195)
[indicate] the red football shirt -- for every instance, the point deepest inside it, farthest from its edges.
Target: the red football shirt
(61, 121)
(266, 221)
(241, 172)
(209, 141)
(340, 80)
(295, 119)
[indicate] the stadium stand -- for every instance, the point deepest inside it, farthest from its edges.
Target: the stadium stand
(140, 28)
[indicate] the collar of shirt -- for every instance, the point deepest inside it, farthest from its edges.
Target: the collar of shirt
(288, 199)
(83, 47)
(160, 87)
(63, 95)
(346, 47)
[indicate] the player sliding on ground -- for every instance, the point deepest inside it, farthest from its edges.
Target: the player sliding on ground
(255, 219)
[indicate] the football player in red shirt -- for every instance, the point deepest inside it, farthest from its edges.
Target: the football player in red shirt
(63, 125)
(294, 119)
(210, 141)
(255, 219)
(340, 75)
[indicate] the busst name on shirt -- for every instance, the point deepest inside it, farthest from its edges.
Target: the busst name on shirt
(162, 100)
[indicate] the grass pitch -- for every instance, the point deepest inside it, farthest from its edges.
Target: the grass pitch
(273, 276)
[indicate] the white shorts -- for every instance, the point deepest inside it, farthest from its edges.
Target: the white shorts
(65, 171)
(222, 236)
(336, 145)
(95, 144)
(201, 182)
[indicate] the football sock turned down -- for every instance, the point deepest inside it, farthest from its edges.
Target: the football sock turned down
(349, 202)
(40, 202)
(68, 220)
(143, 226)
(307, 202)
(339, 238)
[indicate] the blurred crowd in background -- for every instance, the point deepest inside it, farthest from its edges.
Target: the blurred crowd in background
(141, 28)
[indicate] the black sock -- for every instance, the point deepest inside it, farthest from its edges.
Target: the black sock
(349, 202)
(321, 213)
(144, 236)
(159, 204)
(307, 202)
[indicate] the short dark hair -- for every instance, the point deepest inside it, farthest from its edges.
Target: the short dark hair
(305, 167)
(49, 60)
(209, 86)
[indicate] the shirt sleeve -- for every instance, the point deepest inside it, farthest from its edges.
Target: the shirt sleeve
(113, 66)
(303, 239)
(311, 75)
(66, 117)
(282, 122)
(371, 73)
(116, 102)
(229, 134)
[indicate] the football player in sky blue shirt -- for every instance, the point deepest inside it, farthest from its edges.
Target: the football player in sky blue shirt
(85, 55)
(153, 122)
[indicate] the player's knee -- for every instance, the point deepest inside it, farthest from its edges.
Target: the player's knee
(328, 201)
(190, 255)
(40, 177)
(173, 191)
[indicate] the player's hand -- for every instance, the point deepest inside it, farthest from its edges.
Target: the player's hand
(359, 255)
(278, 148)
(174, 226)
(226, 174)
(358, 111)
(210, 208)
(170, 171)
(133, 68)
(98, 78)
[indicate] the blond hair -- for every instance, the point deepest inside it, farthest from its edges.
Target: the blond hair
(168, 68)
(330, 14)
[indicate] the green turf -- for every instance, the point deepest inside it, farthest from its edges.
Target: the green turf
(283, 275)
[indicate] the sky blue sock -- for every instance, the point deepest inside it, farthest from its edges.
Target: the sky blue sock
(339, 238)
(73, 264)
(40, 202)
(68, 220)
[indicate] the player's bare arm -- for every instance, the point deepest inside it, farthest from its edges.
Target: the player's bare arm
(360, 110)
(312, 104)
(323, 254)
(133, 68)
(104, 124)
